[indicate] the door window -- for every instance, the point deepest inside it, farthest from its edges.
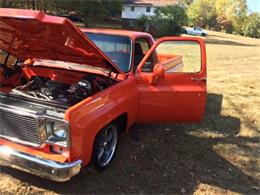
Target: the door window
(175, 56)
(141, 48)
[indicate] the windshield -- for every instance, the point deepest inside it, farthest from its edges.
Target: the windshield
(117, 48)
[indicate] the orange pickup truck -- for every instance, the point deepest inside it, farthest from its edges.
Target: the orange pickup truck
(70, 92)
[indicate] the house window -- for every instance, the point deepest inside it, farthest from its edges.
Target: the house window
(132, 9)
(148, 9)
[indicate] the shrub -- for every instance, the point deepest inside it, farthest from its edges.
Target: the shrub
(166, 21)
(252, 26)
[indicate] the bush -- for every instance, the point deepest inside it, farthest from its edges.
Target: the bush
(143, 23)
(166, 21)
(252, 26)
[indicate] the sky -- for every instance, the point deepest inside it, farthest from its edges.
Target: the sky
(253, 5)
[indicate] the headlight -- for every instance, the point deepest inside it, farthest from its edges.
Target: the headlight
(57, 132)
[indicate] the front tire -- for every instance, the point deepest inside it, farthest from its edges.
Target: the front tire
(105, 146)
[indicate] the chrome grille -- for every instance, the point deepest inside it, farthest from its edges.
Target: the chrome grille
(20, 127)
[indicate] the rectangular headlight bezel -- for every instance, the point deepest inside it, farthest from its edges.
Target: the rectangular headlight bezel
(48, 136)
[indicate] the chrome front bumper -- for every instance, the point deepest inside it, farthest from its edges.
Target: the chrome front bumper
(38, 166)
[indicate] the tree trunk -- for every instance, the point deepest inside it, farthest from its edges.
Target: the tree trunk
(28, 4)
(44, 6)
(33, 4)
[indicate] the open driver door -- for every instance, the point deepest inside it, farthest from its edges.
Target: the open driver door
(171, 81)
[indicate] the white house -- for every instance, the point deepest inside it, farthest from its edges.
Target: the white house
(134, 9)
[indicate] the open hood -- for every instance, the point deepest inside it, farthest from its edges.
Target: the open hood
(34, 34)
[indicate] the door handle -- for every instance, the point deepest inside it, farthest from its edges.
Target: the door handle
(199, 79)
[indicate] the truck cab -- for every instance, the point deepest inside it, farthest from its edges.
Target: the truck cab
(182, 70)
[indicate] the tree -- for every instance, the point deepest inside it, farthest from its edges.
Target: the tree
(252, 26)
(167, 20)
(186, 3)
(238, 15)
(143, 23)
(90, 8)
(202, 13)
(234, 12)
(223, 24)
(228, 15)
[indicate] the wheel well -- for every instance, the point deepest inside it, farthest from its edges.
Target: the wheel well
(121, 121)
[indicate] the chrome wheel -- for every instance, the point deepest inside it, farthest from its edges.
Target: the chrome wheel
(106, 145)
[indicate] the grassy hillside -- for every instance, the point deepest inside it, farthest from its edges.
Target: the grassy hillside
(234, 91)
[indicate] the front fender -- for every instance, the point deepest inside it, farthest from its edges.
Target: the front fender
(88, 117)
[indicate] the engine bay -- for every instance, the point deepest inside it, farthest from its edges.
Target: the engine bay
(53, 86)
(45, 89)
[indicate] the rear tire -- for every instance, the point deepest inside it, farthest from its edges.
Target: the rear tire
(203, 34)
(105, 147)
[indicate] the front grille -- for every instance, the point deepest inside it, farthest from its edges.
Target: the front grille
(15, 126)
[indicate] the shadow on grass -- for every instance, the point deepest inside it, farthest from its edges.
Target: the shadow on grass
(168, 158)
(227, 42)
(225, 35)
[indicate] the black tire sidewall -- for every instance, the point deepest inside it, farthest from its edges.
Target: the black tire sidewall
(95, 163)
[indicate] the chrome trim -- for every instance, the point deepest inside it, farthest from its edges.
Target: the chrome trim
(47, 169)
(174, 68)
(131, 60)
(26, 113)
(41, 120)
(23, 113)
(16, 140)
(16, 110)
(49, 135)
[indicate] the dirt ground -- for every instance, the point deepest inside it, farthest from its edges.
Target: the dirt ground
(219, 155)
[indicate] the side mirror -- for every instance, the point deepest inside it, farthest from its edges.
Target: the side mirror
(158, 72)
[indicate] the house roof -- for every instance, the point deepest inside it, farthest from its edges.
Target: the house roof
(156, 3)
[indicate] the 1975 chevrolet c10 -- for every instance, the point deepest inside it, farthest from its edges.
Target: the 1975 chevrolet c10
(67, 93)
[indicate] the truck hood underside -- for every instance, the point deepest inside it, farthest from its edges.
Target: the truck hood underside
(29, 34)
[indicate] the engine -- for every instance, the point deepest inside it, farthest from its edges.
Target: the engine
(55, 91)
